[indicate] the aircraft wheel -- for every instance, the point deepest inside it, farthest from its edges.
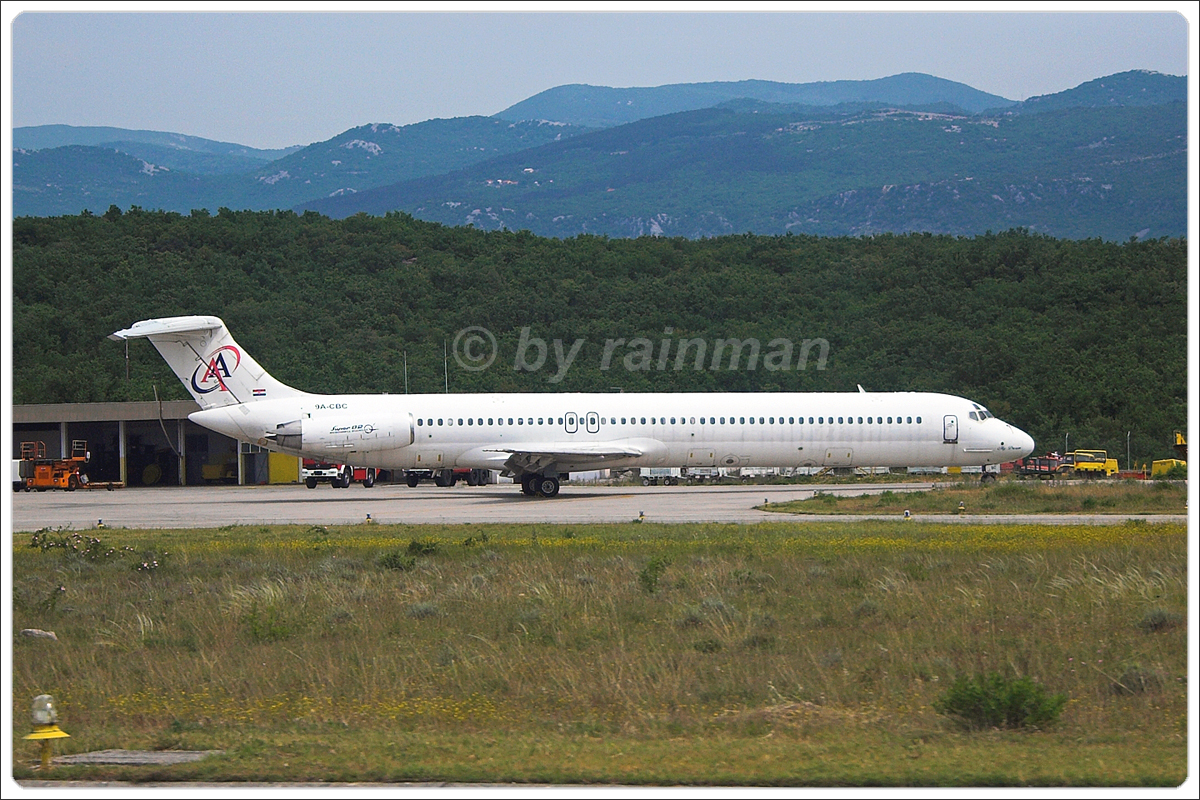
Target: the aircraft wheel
(547, 486)
(529, 485)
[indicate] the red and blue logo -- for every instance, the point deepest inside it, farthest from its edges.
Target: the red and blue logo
(217, 370)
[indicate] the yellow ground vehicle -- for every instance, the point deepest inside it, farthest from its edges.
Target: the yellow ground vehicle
(1165, 465)
(1092, 464)
(42, 473)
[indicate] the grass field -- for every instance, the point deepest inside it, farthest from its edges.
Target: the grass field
(776, 654)
(1005, 497)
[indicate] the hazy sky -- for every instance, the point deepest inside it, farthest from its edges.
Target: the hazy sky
(275, 79)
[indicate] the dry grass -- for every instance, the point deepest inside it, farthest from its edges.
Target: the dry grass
(505, 632)
(1009, 496)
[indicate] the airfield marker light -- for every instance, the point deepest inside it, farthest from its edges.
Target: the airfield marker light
(45, 727)
(99, 523)
(907, 514)
(369, 520)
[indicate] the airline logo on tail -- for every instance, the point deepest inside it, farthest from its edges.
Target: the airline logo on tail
(216, 371)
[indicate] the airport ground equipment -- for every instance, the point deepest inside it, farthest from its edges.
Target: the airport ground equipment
(1091, 464)
(1044, 467)
(38, 472)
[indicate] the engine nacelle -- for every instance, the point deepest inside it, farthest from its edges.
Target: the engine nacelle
(359, 431)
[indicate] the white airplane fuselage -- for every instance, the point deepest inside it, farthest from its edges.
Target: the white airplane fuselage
(900, 429)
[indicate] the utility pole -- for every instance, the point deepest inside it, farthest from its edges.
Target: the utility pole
(1067, 444)
(446, 365)
(1128, 453)
(406, 372)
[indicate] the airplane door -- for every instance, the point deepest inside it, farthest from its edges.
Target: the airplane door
(571, 421)
(950, 429)
(593, 422)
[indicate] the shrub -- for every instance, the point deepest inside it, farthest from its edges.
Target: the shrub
(419, 547)
(1157, 620)
(994, 701)
(422, 610)
(397, 560)
(654, 569)
(1135, 680)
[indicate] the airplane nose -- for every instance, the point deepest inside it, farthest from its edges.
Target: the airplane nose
(1024, 441)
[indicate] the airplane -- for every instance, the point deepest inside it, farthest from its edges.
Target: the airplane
(539, 439)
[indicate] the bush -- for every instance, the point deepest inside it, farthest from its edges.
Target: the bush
(419, 547)
(397, 560)
(993, 701)
(1157, 620)
(648, 577)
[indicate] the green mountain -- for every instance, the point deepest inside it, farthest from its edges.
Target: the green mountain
(1078, 173)
(1107, 159)
(171, 150)
(1138, 87)
(374, 155)
(606, 107)
(66, 180)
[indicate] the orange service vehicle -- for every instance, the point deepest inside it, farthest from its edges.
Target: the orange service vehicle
(36, 471)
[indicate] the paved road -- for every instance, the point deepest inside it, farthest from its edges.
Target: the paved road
(206, 507)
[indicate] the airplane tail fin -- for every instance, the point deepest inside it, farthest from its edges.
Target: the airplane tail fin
(211, 365)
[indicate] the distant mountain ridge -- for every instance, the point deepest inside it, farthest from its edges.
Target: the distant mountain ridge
(1082, 163)
(605, 107)
(171, 150)
(1139, 87)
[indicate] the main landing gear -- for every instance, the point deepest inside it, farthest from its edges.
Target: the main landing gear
(540, 485)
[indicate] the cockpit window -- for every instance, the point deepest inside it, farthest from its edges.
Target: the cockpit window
(973, 415)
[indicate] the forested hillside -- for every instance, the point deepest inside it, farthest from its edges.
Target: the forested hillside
(1079, 337)
(845, 170)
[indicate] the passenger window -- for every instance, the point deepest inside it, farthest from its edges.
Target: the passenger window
(643, 420)
(622, 420)
(722, 420)
(918, 420)
(860, 420)
(792, 420)
(419, 423)
(889, 420)
(439, 422)
(520, 421)
(820, 420)
(460, 421)
(490, 422)
(470, 422)
(910, 420)
(839, 420)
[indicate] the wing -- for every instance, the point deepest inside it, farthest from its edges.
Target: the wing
(536, 458)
